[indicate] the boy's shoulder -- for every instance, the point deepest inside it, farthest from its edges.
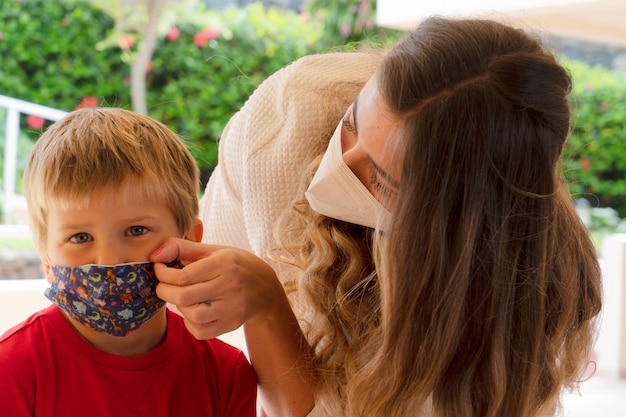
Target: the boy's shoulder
(217, 346)
(23, 345)
(213, 362)
(215, 354)
(33, 325)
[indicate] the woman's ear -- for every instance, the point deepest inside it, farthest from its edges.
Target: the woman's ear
(196, 232)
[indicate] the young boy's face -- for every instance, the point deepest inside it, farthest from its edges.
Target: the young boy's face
(116, 226)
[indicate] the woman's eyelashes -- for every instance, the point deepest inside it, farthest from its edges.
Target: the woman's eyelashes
(347, 121)
(378, 186)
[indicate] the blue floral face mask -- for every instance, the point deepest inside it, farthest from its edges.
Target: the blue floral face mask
(113, 299)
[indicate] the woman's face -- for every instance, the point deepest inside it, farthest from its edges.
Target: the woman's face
(368, 138)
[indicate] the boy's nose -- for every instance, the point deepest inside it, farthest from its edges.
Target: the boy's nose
(110, 254)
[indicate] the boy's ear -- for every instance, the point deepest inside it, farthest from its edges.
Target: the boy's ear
(46, 269)
(195, 235)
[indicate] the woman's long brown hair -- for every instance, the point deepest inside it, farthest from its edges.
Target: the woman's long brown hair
(486, 285)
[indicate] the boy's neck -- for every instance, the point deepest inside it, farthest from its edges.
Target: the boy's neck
(150, 335)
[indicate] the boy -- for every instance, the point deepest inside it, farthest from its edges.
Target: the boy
(105, 188)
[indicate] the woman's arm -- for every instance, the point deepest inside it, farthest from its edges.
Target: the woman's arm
(280, 355)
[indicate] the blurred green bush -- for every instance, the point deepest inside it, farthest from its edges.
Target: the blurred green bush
(49, 54)
(67, 53)
(595, 158)
(202, 77)
(60, 54)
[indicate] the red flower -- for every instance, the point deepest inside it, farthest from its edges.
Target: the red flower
(212, 32)
(345, 30)
(604, 106)
(585, 164)
(149, 66)
(202, 38)
(125, 41)
(172, 34)
(35, 122)
(88, 101)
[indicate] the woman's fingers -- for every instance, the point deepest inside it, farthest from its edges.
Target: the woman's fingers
(182, 250)
(171, 249)
(205, 322)
(219, 288)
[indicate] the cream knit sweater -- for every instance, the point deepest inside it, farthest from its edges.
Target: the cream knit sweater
(266, 146)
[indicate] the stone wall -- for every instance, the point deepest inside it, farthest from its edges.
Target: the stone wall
(20, 264)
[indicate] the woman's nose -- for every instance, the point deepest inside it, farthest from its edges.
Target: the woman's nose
(348, 139)
(354, 156)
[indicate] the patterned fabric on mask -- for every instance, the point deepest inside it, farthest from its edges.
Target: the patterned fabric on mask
(114, 299)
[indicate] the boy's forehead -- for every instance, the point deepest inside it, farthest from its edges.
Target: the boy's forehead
(131, 190)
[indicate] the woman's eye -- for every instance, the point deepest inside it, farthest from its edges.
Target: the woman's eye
(137, 230)
(80, 238)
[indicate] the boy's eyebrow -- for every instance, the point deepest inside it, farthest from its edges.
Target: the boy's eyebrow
(142, 217)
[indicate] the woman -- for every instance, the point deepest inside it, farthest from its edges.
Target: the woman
(437, 263)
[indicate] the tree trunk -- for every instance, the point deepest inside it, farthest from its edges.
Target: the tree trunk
(154, 9)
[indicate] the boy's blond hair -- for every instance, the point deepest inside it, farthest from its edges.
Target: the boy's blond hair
(95, 149)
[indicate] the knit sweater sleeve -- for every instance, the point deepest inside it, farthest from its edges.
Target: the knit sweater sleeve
(266, 146)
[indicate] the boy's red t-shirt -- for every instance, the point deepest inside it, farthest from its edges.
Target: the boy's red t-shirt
(47, 369)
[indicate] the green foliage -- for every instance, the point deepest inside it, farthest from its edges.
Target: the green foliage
(56, 53)
(349, 23)
(49, 55)
(199, 80)
(595, 158)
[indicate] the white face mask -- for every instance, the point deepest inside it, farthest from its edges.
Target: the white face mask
(336, 192)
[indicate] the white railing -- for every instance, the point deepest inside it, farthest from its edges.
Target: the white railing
(15, 107)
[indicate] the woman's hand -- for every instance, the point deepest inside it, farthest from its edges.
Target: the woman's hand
(219, 289)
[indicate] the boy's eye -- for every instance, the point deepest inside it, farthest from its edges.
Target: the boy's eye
(137, 230)
(81, 238)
